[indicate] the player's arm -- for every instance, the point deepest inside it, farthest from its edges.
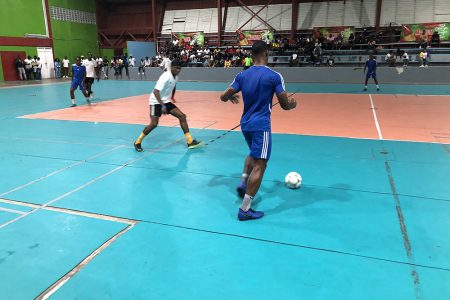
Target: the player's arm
(232, 90)
(173, 94)
(365, 67)
(230, 94)
(285, 102)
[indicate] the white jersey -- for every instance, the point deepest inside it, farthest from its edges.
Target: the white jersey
(65, 63)
(166, 63)
(90, 67)
(165, 85)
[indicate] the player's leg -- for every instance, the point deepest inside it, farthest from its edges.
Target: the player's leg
(248, 167)
(73, 86)
(177, 113)
(376, 81)
(365, 82)
(261, 145)
(155, 114)
(85, 93)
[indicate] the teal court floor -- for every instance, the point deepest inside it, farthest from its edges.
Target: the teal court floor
(84, 216)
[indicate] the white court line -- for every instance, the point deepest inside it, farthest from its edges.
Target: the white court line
(59, 141)
(87, 184)
(58, 284)
(59, 171)
(372, 107)
(32, 85)
(70, 212)
(12, 211)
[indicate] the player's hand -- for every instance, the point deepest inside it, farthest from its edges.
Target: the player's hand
(234, 99)
(292, 103)
(164, 110)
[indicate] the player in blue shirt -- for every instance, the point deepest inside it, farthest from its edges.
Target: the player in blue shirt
(78, 80)
(371, 66)
(257, 84)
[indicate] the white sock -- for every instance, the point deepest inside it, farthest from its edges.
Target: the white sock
(73, 101)
(378, 86)
(247, 202)
(244, 177)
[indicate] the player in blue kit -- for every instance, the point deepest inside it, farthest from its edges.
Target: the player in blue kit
(257, 84)
(78, 80)
(371, 66)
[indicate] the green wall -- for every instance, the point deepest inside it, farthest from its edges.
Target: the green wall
(109, 53)
(18, 17)
(73, 39)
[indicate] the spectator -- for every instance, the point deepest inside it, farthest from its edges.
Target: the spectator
(390, 59)
(330, 42)
(248, 61)
(371, 46)
(105, 68)
(351, 40)
(141, 69)
(330, 61)
(227, 63)
(57, 64)
(423, 58)
(34, 63)
(436, 39)
(38, 69)
(28, 67)
(405, 58)
(65, 67)
(293, 62)
(20, 68)
(423, 40)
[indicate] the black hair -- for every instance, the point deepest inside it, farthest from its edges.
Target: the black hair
(259, 47)
(176, 63)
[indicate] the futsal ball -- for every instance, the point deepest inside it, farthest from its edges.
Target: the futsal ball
(293, 180)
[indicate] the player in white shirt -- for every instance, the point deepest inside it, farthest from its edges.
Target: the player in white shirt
(90, 65)
(165, 64)
(162, 102)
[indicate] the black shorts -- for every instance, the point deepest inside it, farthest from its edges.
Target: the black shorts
(155, 109)
(89, 80)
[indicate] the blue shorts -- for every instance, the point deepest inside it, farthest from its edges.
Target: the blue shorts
(74, 85)
(260, 143)
(371, 74)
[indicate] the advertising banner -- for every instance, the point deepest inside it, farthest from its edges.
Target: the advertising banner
(412, 32)
(248, 37)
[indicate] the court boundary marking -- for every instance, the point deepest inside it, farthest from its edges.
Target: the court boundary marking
(377, 125)
(137, 221)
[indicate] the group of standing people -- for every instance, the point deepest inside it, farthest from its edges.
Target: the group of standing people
(29, 68)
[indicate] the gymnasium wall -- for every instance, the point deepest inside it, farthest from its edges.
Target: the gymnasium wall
(412, 75)
(73, 25)
(74, 28)
(358, 13)
(20, 17)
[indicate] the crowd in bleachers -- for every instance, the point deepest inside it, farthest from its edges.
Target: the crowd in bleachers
(311, 47)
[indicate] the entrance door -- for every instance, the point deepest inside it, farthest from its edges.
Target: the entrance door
(9, 68)
(48, 66)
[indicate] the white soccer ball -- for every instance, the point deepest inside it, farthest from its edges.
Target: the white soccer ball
(293, 180)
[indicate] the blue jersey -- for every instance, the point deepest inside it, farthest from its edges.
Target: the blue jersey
(371, 65)
(258, 84)
(78, 73)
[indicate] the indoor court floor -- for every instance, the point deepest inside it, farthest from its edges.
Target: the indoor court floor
(85, 216)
